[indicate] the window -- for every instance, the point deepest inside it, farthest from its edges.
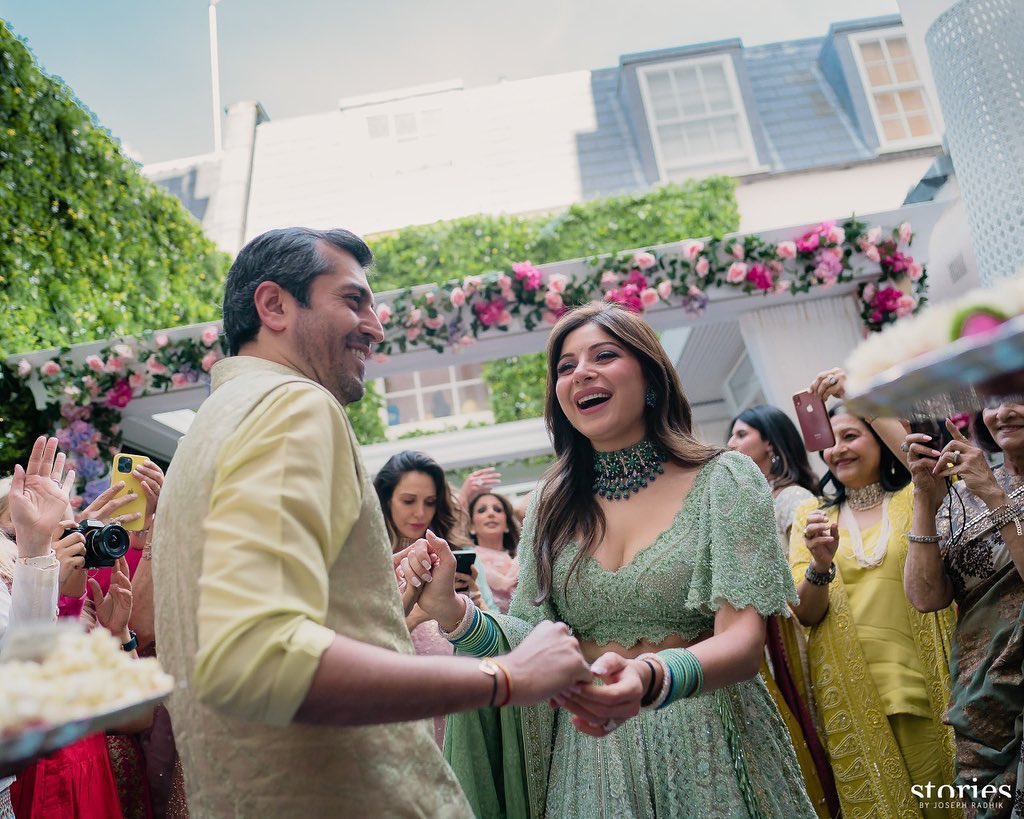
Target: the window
(696, 118)
(895, 91)
(408, 126)
(455, 394)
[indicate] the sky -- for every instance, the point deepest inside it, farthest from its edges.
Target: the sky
(143, 66)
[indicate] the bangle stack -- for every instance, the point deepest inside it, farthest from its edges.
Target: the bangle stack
(816, 578)
(475, 635)
(687, 674)
(661, 699)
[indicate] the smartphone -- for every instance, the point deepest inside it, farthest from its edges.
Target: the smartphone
(464, 560)
(815, 424)
(123, 466)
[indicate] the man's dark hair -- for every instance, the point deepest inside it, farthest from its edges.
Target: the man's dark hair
(291, 257)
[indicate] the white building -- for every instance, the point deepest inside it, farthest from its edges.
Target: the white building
(812, 129)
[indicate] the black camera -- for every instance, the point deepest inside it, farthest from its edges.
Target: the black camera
(104, 544)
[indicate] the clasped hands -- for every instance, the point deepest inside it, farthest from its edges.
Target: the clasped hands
(547, 666)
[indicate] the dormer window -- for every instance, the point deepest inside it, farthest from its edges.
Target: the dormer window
(895, 91)
(696, 118)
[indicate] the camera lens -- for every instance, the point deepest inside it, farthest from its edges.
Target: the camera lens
(103, 544)
(124, 464)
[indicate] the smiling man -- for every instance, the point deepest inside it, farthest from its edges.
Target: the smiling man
(276, 599)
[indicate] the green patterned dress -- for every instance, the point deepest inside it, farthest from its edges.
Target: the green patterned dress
(721, 754)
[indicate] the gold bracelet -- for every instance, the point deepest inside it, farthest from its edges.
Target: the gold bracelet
(508, 682)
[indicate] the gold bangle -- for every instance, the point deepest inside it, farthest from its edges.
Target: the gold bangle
(508, 682)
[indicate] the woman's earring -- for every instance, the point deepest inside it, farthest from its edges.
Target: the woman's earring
(776, 463)
(651, 397)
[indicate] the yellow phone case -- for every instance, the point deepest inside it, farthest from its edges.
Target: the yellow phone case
(123, 466)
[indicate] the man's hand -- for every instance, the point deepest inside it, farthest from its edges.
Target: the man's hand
(546, 663)
(39, 497)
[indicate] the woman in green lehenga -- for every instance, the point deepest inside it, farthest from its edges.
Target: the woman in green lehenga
(660, 553)
(969, 547)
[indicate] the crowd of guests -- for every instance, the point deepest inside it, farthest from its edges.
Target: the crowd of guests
(849, 645)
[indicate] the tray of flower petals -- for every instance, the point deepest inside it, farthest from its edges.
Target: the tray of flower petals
(68, 684)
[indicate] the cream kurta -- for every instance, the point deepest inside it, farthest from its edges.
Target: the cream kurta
(269, 540)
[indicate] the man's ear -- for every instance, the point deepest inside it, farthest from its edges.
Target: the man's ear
(273, 305)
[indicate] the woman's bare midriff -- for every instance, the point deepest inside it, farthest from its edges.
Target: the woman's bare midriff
(592, 650)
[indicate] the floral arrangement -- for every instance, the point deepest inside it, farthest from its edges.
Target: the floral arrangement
(456, 313)
(92, 394)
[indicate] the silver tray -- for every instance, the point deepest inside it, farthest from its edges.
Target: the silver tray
(963, 376)
(34, 742)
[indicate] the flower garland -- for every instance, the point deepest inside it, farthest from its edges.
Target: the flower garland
(456, 313)
(91, 395)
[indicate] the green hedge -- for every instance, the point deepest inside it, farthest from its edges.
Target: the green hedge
(478, 244)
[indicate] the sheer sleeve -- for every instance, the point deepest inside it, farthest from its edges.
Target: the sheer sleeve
(738, 559)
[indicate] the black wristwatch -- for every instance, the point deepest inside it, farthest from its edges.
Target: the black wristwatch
(132, 644)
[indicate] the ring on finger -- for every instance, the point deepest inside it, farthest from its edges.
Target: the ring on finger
(954, 456)
(832, 380)
(905, 447)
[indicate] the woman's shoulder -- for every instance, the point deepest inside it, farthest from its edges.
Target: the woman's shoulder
(729, 468)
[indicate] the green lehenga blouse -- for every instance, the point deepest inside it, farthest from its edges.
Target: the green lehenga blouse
(726, 753)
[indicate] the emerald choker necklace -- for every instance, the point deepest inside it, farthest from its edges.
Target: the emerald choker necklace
(619, 474)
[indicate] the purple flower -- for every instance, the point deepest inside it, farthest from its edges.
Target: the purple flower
(90, 468)
(93, 489)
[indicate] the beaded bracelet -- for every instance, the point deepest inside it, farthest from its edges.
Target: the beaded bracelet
(1006, 514)
(687, 674)
(923, 538)
(816, 578)
(666, 680)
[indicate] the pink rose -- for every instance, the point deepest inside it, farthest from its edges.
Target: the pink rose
(786, 250)
(702, 266)
(737, 251)
(209, 360)
(161, 340)
(124, 351)
(553, 300)
(874, 235)
(89, 450)
(906, 233)
(412, 333)
(665, 289)
(609, 279)
(871, 254)
(505, 282)
(415, 316)
(433, 323)
(114, 364)
(737, 273)
(155, 366)
(209, 336)
(648, 296)
(458, 297)
(136, 380)
(383, 313)
(24, 368)
(504, 318)
(836, 235)
(869, 292)
(429, 297)
(692, 249)
(72, 392)
(50, 369)
(905, 306)
(644, 260)
(915, 271)
(782, 286)
(528, 275)
(120, 395)
(556, 282)
(94, 363)
(472, 283)
(178, 380)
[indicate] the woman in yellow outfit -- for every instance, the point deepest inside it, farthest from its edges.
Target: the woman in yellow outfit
(879, 668)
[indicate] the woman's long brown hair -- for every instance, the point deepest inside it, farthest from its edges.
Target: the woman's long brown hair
(567, 509)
